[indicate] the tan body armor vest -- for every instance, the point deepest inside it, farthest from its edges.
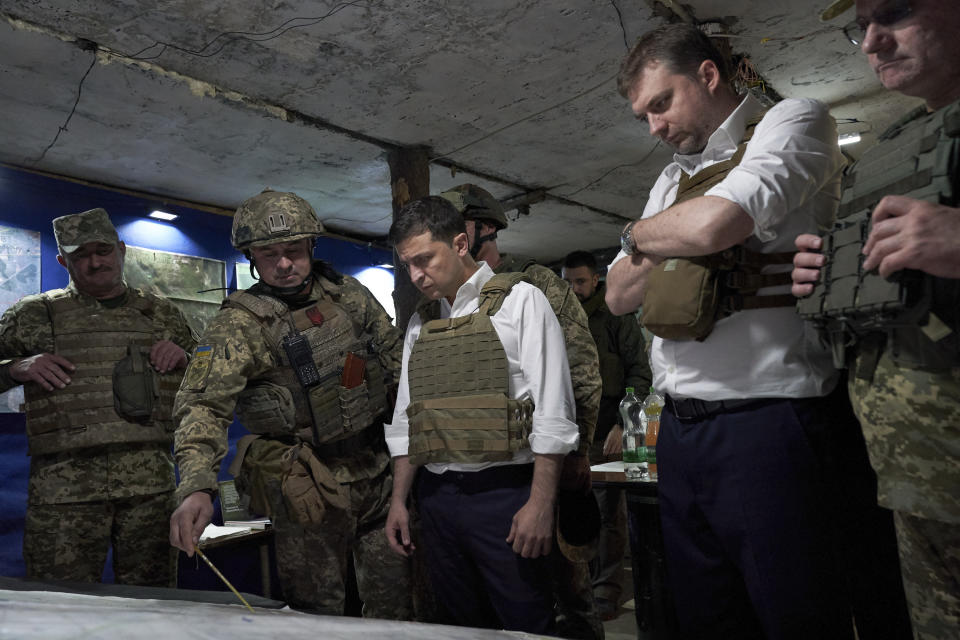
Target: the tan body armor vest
(276, 404)
(82, 414)
(914, 316)
(460, 406)
(686, 296)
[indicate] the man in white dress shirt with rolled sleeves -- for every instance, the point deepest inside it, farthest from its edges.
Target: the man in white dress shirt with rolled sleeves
(486, 407)
(765, 490)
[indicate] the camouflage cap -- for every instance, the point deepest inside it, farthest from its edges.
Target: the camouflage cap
(273, 216)
(80, 228)
(475, 203)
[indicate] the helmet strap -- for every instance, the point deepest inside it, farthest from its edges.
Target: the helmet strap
(478, 240)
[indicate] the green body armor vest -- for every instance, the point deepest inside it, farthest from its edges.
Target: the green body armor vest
(84, 413)
(276, 404)
(914, 316)
(686, 296)
(460, 406)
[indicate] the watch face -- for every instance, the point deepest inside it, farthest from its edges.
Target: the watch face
(626, 240)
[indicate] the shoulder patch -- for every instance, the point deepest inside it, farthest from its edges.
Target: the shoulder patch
(195, 379)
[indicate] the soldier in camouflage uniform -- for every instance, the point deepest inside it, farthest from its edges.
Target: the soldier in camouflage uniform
(623, 363)
(101, 470)
(905, 381)
(485, 219)
(305, 358)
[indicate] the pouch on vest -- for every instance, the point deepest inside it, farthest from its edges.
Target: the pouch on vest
(682, 297)
(258, 469)
(134, 386)
(309, 487)
(269, 407)
(686, 296)
(470, 428)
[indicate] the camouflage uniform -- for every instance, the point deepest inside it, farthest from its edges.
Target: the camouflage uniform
(581, 349)
(909, 405)
(81, 501)
(312, 559)
(623, 363)
(578, 617)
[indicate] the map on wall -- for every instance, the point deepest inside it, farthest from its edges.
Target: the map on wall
(244, 279)
(194, 284)
(19, 276)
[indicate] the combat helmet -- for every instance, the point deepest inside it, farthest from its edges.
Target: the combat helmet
(273, 216)
(475, 203)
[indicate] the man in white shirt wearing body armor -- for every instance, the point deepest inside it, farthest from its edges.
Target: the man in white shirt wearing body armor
(889, 298)
(485, 406)
(756, 451)
(100, 364)
(305, 358)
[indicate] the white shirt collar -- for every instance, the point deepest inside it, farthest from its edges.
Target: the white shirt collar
(722, 142)
(467, 300)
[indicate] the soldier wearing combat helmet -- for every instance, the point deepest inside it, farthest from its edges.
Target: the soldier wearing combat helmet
(99, 363)
(305, 357)
(894, 321)
(485, 217)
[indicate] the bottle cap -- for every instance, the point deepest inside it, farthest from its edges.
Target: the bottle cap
(629, 389)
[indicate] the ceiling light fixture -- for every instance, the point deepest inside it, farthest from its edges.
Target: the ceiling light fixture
(848, 138)
(162, 215)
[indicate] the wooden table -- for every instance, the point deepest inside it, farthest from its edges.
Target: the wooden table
(656, 619)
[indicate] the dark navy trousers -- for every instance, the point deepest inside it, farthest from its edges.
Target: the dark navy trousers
(477, 578)
(751, 502)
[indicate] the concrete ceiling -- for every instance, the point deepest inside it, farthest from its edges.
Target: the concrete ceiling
(211, 101)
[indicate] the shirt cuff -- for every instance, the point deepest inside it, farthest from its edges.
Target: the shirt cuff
(398, 445)
(557, 436)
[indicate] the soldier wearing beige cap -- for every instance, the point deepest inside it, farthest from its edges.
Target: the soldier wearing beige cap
(99, 363)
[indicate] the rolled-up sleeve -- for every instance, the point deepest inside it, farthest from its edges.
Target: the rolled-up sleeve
(544, 372)
(792, 155)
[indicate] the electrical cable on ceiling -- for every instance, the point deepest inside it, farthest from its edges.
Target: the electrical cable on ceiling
(608, 172)
(239, 35)
(622, 28)
(524, 119)
(542, 111)
(73, 109)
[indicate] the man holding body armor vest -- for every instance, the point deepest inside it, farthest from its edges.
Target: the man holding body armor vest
(756, 452)
(888, 296)
(305, 357)
(485, 406)
(485, 218)
(100, 364)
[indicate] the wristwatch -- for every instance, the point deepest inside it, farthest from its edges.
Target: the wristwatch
(626, 239)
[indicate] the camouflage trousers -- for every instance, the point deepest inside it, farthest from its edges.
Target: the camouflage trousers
(930, 561)
(606, 568)
(70, 541)
(312, 560)
(577, 615)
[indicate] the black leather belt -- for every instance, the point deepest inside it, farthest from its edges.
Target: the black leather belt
(499, 477)
(695, 409)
